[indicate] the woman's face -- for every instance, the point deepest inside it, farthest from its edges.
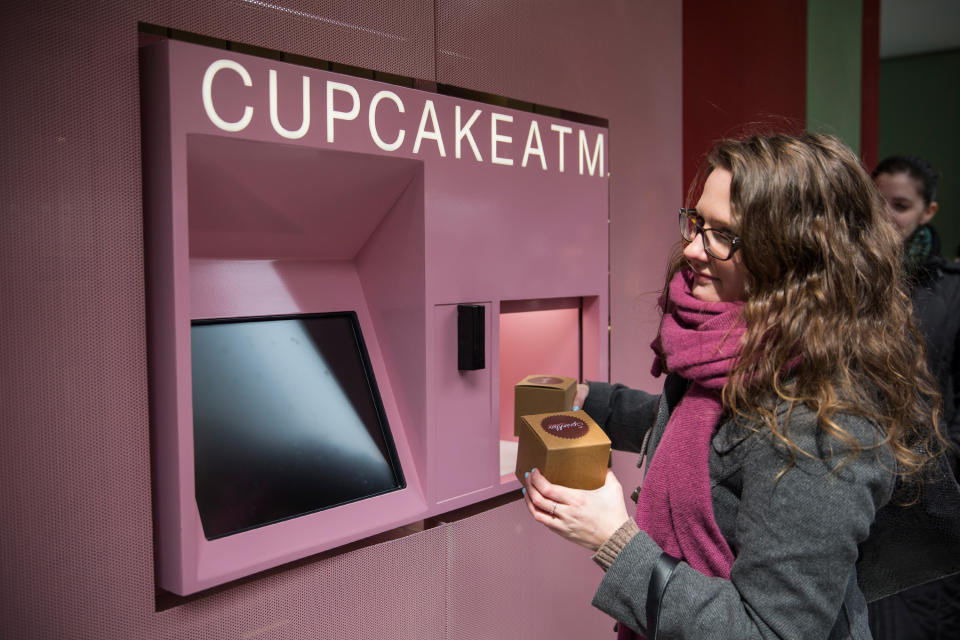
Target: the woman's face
(905, 204)
(715, 280)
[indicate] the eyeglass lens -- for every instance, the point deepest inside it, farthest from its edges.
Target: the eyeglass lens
(715, 243)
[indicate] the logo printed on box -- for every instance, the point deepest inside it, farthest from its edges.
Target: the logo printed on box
(565, 427)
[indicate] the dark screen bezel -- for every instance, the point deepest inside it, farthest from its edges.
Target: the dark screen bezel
(372, 387)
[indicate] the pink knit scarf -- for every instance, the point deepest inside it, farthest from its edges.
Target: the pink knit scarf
(698, 341)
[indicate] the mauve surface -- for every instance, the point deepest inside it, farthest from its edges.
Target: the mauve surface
(75, 487)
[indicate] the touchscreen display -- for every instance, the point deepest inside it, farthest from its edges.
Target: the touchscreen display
(287, 420)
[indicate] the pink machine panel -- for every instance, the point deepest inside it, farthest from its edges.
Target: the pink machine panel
(272, 189)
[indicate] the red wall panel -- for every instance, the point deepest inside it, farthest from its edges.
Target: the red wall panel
(870, 84)
(744, 65)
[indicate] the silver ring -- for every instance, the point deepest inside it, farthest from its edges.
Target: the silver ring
(553, 512)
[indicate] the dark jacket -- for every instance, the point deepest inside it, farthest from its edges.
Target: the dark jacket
(932, 611)
(794, 532)
(935, 291)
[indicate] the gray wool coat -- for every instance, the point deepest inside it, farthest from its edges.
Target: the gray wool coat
(794, 537)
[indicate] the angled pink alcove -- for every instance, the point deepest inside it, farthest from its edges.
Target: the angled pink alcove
(272, 189)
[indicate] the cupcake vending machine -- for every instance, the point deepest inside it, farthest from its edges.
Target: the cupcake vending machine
(345, 278)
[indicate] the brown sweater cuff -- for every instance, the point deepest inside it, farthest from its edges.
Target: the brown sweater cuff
(610, 549)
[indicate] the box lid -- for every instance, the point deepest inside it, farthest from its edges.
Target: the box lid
(548, 381)
(563, 429)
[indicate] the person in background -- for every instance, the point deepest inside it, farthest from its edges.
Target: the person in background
(909, 186)
(796, 392)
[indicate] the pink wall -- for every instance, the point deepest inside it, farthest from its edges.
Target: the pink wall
(536, 340)
(75, 485)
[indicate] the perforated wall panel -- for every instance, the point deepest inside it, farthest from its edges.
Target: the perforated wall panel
(76, 547)
(510, 578)
(617, 60)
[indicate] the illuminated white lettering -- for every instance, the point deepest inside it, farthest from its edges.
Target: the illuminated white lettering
(388, 131)
(422, 133)
(464, 132)
(597, 153)
(497, 138)
(372, 119)
(275, 117)
(333, 114)
(206, 92)
(530, 150)
(561, 131)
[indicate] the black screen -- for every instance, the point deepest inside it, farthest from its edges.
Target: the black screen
(287, 420)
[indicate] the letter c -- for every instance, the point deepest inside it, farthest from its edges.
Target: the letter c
(372, 120)
(207, 94)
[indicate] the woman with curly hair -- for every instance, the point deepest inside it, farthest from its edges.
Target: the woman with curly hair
(796, 394)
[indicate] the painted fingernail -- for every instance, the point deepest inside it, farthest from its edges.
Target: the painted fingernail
(526, 475)
(523, 491)
(576, 408)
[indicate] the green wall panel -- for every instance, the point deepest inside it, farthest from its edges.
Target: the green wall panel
(920, 115)
(834, 66)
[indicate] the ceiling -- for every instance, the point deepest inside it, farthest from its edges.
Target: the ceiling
(909, 27)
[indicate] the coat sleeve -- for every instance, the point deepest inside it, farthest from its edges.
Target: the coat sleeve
(795, 545)
(623, 413)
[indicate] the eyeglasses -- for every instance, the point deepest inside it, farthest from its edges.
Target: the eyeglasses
(719, 244)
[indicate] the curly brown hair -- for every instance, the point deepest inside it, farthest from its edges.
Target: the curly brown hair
(829, 322)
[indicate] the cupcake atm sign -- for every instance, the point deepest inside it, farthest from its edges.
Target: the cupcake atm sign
(232, 99)
(281, 200)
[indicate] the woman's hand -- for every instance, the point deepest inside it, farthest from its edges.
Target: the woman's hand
(581, 396)
(588, 518)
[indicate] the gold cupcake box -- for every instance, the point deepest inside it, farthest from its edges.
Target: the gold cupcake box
(540, 393)
(568, 448)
